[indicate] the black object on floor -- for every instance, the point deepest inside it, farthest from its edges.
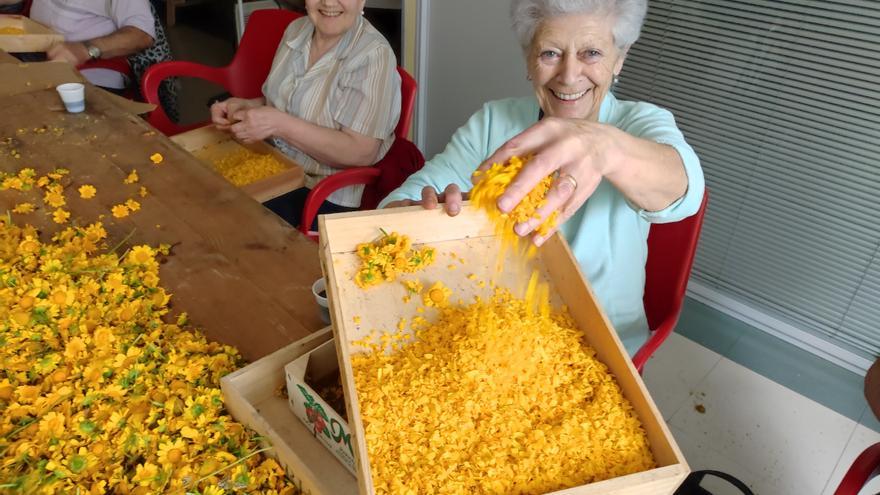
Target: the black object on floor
(691, 485)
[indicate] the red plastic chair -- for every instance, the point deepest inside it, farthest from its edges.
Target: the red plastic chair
(671, 250)
(360, 175)
(862, 470)
(243, 77)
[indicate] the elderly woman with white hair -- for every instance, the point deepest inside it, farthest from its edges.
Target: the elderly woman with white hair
(619, 165)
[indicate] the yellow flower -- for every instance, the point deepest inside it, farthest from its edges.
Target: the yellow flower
(55, 199)
(87, 191)
(132, 205)
(23, 208)
(82, 462)
(119, 211)
(52, 425)
(437, 295)
(96, 370)
(58, 173)
(60, 216)
(132, 177)
(143, 192)
(12, 183)
(145, 473)
(213, 490)
(29, 245)
(141, 255)
(156, 158)
(171, 453)
(95, 232)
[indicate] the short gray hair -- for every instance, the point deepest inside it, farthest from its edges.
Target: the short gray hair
(628, 15)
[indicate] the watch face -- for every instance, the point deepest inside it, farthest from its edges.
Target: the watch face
(94, 51)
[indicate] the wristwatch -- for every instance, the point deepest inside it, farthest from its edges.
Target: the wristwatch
(94, 51)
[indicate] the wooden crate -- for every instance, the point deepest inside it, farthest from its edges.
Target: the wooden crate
(36, 37)
(209, 144)
(252, 398)
(471, 237)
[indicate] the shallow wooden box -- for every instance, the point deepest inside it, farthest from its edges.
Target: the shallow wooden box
(471, 238)
(252, 397)
(36, 37)
(208, 144)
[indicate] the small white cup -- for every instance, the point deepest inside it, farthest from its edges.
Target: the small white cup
(317, 288)
(73, 96)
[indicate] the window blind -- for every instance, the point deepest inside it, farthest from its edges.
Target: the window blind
(781, 100)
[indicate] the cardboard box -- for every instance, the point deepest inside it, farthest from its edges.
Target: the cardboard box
(322, 419)
(35, 37)
(472, 239)
(251, 397)
(209, 144)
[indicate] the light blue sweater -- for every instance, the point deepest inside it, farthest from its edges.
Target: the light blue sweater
(608, 235)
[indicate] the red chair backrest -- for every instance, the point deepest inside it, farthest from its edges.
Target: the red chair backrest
(863, 468)
(671, 250)
(253, 59)
(408, 88)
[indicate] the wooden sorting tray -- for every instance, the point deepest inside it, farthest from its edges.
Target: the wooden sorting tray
(252, 398)
(208, 144)
(36, 37)
(471, 237)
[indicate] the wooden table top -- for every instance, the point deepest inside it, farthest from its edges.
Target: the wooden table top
(241, 273)
(6, 58)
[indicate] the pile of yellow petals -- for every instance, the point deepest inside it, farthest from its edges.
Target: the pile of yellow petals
(494, 398)
(386, 257)
(492, 184)
(98, 392)
(245, 166)
(11, 30)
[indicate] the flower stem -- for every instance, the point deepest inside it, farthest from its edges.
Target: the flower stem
(203, 478)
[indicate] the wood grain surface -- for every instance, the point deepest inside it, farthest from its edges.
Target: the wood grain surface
(241, 273)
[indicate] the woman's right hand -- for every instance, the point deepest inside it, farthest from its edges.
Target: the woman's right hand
(451, 197)
(222, 111)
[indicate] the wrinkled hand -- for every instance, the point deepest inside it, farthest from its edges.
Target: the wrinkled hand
(222, 111)
(255, 123)
(72, 53)
(564, 147)
(451, 197)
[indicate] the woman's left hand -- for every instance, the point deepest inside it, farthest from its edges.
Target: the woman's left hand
(577, 151)
(255, 124)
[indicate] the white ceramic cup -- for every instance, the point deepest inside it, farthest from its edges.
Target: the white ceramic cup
(73, 95)
(317, 288)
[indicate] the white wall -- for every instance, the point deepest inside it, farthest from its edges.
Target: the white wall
(471, 57)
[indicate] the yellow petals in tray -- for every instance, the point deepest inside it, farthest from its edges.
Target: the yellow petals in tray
(244, 167)
(492, 184)
(494, 398)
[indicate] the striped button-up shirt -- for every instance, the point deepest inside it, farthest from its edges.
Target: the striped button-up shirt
(355, 85)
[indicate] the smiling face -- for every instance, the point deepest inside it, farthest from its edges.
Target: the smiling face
(332, 18)
(572, 62)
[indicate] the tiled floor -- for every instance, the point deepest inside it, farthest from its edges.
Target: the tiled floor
(727, 417)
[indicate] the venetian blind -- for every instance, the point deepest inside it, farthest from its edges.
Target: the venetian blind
(781, 100)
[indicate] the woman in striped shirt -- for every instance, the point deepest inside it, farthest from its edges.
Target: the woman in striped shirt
(331, 101)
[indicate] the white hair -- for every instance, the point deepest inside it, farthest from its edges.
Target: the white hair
(628, 16)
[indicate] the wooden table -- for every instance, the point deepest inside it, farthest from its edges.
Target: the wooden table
(6, 58)
(241, 273)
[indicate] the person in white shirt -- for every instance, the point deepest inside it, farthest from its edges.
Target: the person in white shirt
(97, 29)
